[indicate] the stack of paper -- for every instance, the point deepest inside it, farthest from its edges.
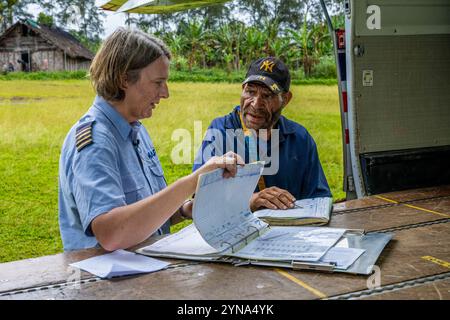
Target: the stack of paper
(309, 244)
(314, 211)
(225, 229)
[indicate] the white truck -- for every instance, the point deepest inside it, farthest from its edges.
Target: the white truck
(393, 62)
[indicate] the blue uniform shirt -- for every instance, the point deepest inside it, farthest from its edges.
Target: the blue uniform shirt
(300, 171)
(118, 168)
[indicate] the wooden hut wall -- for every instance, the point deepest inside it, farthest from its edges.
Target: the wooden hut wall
(77, 64)
(48, 60)
(44, 55)
(6, 57)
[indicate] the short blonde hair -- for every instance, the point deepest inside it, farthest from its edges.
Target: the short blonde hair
(123, 54)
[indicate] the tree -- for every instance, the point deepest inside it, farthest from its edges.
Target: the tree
(228, 42)
(80, 17)
(11, 11)
(93, 43)
(287, 12)
(45, 19)
(255, 39)
(211, 16)
(195, 34)
(84, 15)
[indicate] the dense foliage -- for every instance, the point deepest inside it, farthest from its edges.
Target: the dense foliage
(223, 37)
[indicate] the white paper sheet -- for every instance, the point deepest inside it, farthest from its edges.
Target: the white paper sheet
(119, 263)
(221, 209)
(318, 208)
(291, 243)
(343, 258)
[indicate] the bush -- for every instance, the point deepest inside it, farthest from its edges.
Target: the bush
(325, 69)
(298, 74)
(44, 75)
(179, 63)
(206, 75)
(196, 75)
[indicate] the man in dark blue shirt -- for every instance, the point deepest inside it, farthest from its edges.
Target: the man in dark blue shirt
(256, 130)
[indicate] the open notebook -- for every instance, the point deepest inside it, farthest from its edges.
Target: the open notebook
(314, 211)
(225, 230)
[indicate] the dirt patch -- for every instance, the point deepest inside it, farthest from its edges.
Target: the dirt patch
(19, 100)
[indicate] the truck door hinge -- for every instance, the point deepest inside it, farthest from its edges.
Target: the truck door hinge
(347, 7)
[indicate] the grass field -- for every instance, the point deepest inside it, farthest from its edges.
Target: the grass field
(36, 115)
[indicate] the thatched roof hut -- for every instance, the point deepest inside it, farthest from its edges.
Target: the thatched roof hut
(29, 46)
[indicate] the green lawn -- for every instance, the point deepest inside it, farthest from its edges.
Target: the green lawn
(36, 115)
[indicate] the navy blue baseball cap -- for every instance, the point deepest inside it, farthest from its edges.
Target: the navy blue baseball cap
(270, 71)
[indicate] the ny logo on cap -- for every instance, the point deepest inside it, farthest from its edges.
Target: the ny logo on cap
(267, 65)
(275, 87)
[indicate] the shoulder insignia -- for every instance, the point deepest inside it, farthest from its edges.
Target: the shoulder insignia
(83, 135)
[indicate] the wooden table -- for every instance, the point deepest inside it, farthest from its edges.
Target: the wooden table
(414, 265)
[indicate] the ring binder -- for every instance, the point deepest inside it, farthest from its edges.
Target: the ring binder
(257, 230)
(297, 265)
(233, 231)
(229, 245)
(243, 237)
(244, 240)
(356, 231)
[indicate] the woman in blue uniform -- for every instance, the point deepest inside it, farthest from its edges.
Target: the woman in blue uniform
(112, 190)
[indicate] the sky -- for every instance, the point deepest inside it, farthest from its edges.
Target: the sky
(112, 21)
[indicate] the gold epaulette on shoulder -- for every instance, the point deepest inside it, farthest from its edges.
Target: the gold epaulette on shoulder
(83, 135)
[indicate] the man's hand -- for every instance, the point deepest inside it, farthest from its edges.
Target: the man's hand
(272, 198)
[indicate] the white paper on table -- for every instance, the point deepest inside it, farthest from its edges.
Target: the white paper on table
(291, 243)
(187, 241)
(119, 263)
(343, 258)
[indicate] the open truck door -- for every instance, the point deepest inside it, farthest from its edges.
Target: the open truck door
(393, 62)
(393, 70)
